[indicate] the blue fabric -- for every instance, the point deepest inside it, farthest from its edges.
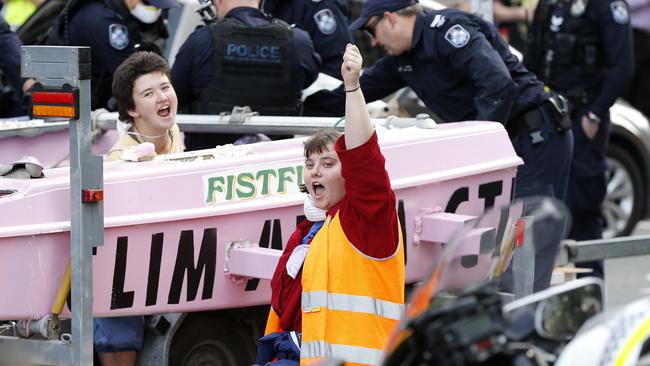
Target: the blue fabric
(545, 173)
(616, 41)
(193, 68)
(10, 66)
(280, 346)
(118, 334)
(303, 14)
(377, 8)
(481, 80)
(612, 31)
(546, 164)
(313, 231)
(91, 26)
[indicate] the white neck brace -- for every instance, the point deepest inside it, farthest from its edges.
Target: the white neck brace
(312, 212)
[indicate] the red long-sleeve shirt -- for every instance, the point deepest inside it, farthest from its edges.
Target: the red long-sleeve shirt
(368, 217)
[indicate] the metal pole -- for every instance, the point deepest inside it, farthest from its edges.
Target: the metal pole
(589, 250)
(85, 172)
(66, 71)
(248, 123)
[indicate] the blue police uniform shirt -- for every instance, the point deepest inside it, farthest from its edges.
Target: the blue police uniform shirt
(194, 65)
(10, 65)
(326, 21)
(458, 65)
(96, 25)
(461, 69)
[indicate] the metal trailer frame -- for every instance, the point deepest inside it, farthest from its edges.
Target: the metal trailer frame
(589, 250)
(54, 66)
(243, 120)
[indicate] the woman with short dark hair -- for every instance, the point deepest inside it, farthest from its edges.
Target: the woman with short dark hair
(147, 104)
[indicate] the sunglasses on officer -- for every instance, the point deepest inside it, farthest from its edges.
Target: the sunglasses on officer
(369, 28)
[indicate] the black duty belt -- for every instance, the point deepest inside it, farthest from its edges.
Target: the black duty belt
(531, 121)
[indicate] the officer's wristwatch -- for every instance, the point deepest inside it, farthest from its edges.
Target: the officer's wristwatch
(593, 118)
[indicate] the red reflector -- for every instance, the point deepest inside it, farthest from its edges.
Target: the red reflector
(484, 344)
(53, 111)
(92, 195)
(53, 97)
(520, 232)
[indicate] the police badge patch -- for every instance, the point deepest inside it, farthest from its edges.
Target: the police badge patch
(325, 21)
(457, 36)
(619, 12)
(118, 36)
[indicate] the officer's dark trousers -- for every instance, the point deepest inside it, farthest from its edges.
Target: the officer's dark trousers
(587, 186)
(638, 87)
(545, 173)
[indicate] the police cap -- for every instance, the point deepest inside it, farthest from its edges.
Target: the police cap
(378, 7)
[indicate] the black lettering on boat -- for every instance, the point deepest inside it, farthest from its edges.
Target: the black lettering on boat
(205, 266)
(489, 192)
(119, 298)
(155, 259)
(459, 196)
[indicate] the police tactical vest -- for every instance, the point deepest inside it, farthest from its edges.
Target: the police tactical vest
(252, 68)
(572, 56)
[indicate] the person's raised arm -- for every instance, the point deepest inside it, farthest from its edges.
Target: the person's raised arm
(358, 127)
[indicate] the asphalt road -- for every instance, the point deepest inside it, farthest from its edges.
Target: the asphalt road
(628, 279)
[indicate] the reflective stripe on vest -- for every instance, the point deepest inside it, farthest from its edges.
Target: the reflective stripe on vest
(355, 303)
(334, 309)
(321, 349)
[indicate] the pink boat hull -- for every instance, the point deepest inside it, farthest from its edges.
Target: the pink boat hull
(168, 223)
(50, 148)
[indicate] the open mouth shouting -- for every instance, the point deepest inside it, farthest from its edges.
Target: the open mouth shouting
(318, 189)
(164, 111)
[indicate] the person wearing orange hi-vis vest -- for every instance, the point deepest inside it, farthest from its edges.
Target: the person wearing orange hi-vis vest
(338, 289)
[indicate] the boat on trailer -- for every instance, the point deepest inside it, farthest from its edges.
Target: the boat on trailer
(203, 230)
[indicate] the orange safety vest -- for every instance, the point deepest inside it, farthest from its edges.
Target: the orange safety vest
(350, 301)
(272, 323)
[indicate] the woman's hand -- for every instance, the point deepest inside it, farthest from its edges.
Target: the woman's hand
(351, 67)
(358, 127)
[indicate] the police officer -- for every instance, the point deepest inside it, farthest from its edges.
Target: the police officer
(582, 49)
(245, 58)
(462, 69)
(11, 103)
(326, 21)
(114, 29)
